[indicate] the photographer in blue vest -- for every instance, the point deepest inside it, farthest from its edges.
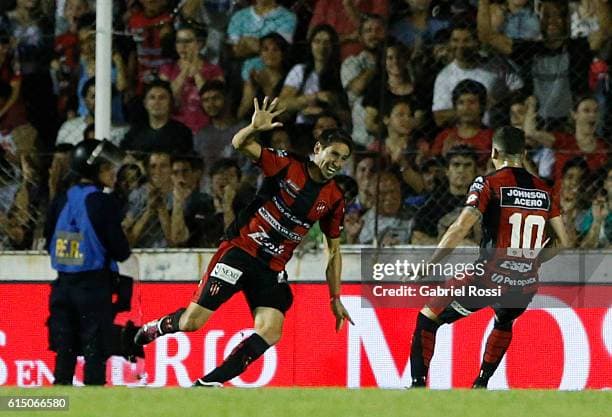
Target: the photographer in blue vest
(85, 241)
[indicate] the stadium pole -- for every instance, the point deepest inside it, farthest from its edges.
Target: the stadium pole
(104, 25)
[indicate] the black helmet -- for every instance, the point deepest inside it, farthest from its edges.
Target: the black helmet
(88, 156)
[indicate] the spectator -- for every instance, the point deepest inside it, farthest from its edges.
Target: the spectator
(516, 19)
(365, 171)
(148, 221)
(15, 113)
(66, 60)
(10, 76)
(58, 171)
(345, 17)
(159, 133)
(466, 65)
(315, 85)
(129, 179)
(250, 24)
(418, 28)
(595, 227)
(264, 75)
(571, 199)
(560, 64)
(193, 222)
(225, 178)
(72, 130)
(447, 198)
(149, 27)
(215, 140)
(403, 148)
(392, 228)
(394, 80)
(523, 115)
(215, 16)
(358, 70)
(469, 99)
(87, 69)
(583, 143)
(188, 75)
(33, 35)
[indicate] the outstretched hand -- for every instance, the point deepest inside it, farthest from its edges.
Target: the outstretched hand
(262, 117)
(340, 313)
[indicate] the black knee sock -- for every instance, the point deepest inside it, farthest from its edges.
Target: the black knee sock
(497, 344)
(422, 349)
(246, 352)
(170, 323)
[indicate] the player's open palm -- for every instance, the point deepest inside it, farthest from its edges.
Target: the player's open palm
(262, 117)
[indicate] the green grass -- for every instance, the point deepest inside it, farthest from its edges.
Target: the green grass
(310, 402)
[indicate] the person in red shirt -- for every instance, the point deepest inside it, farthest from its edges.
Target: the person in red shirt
(514, 208)
(188, 75)
(469, 103)
(584, 141)
(148, 27)
(295, 194)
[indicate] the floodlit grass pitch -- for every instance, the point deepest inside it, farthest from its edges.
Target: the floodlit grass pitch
(315, 402)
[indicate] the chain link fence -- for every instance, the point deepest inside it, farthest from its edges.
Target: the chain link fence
(421, 90)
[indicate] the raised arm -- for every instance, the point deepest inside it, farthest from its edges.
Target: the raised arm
(243, 141)
(486, 34)
(603, 10)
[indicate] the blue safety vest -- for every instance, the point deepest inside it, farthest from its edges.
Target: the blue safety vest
(75, 247)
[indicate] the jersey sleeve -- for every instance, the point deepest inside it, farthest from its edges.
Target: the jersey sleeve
(479, 194)
(272, 161)
(331, 225)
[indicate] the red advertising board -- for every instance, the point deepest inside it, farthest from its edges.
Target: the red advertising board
(560, 347)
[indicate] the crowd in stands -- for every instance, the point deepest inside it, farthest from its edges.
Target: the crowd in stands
(420, 84)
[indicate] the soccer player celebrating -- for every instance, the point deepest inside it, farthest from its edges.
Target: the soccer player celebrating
(295, 194)
(515, 208)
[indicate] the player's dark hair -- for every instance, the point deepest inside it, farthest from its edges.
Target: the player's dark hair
(225, 164)
(463, 151)
(468, 86)
(329, 136)
(509, 140)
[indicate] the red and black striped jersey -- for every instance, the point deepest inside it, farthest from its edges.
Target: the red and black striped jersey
(515, 207)
(288, 203)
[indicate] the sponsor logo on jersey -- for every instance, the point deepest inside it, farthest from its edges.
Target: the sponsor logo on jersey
(521, 267)
(280, 205)
(269, 218)
(524, 198)
(321, 207)
(471, 199)
(477, 185)
(265, 241)
(281, 153)
(290, 187)
(226, 273)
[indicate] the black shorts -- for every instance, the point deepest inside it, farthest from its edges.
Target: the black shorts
(507, 307)
(231, 270)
